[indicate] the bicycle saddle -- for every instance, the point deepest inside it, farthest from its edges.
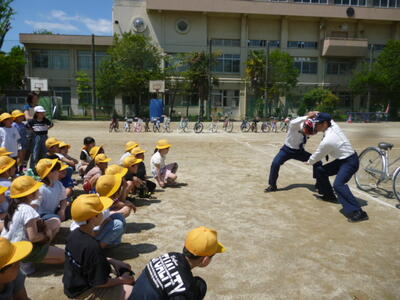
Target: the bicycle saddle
(385, 146)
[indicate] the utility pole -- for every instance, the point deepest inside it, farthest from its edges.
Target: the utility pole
(93, 79)
(266, 77)
(209, 78)
(371, 57)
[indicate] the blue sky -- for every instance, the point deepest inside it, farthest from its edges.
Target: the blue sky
(60, 16)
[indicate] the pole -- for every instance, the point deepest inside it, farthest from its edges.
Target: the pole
(371, 56)
(93, 80)
(209, 79)
(266, 78)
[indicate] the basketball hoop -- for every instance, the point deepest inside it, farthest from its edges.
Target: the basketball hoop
(157, 86)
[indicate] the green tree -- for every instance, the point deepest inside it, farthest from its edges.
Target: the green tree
(197, 76)
(42, 31)
(6, 13)
(83, 86)
(133, 62)
(382, 78)
(321, 100)
(12, 68)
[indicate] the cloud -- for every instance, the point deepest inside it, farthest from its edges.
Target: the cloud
(52, 26)
(99, 26)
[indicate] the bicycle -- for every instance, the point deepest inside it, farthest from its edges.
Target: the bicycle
(128, 123)
(213, 127)
(284, 125)
(156, 124)
(228, 124)
(375, 169)
(198, 126)
(183, 124)
(138, 126)
(167, 124)
(114, 126)
(269, 126)
(245, 126)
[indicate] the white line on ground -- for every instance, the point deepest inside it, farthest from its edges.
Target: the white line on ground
(353, 188)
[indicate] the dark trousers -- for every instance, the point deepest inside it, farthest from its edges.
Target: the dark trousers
(344, 169)
(285, 154)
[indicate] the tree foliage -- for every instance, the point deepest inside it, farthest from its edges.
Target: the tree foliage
(321, 100)
(6, 13)
(43, 31)
(12, 69)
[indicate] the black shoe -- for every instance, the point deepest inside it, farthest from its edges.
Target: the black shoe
(316, 188)
(329, 198)
(271, 188)
(358, 216)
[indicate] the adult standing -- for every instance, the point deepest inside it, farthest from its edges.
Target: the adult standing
(345, 165)
(32, 100)
(299, 131)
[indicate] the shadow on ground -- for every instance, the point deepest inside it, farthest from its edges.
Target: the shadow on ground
(138, 227)
(129, 251)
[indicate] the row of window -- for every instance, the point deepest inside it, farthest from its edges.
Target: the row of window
(263, 43)
(60, 59)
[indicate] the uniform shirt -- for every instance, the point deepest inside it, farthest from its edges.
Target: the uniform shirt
(85, 264)
(9, 138)
(16, 228)
(21, 127)
(157, 159)
(125, 155)
(14, 287)
(39, 127)
(170, 277)
(295, 137)
(85, 156)
(50, 198)
(5, 204)
(334, 144)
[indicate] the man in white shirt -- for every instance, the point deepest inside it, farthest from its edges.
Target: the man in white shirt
(346, 163)
(299, 131)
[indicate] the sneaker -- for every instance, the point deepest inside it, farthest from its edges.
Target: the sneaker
(329, 198)
(271, 188)
(358, 216)
(27, 268)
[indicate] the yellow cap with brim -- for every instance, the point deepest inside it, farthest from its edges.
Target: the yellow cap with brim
(131, 161)
(51, 142)
(203, 241)
(13, 252)
(102, 158)
(108, 185)
(44, 166)
(23, 186)
(130, 145)
(64, 144)
(3, 189)
(116, 170)
(5, 116)
(87, 206)
(63, 166)
(163, 144)
(17, 113)
(4, 151)
(137, 150)
(94, 151)
(6, 163)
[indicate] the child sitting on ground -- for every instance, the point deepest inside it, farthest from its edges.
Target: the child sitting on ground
(63, 155)
(87, 270)
(52, 201)
(128, 147)
(7, 173)
(52, 148)
(119, 170)
(148, 187)
(19, 118)
(101, 161)
(164, 174)
(67, 181)
(3, 206)
(23, 223)
(9, 135)
(133, 183)
(85, 157)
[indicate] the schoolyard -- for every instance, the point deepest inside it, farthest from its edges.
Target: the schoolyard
(282, 245)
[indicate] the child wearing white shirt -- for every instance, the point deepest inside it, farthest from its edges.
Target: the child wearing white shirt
(9, 135)
(164, 174)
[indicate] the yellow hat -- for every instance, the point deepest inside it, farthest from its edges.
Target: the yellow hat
(130, 145)
(131, 161)
(45, 165)
(202, 241)
(87, 206)
(137, 150)
(64, 144)
(163, 144)
(6, 163)
(17, 113)
(52, 141)
(5, 116)
(116, 170)
(4, 151)
(23, 186)
(3, 189)
(102, 158)
(63, 166)
(13, 252)
(95, 150)
(108, 185)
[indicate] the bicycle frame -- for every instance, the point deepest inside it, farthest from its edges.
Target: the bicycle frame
(385, 175)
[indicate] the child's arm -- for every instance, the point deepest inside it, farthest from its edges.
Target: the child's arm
(68, 161)
(33, 234)
(71, 158)
(61, 211)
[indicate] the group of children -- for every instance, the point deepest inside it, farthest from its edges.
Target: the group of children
(33, 204)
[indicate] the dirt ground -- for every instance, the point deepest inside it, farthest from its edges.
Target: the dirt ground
(282, 245)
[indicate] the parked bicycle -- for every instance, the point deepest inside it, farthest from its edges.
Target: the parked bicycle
(213, 126)
(156, 124)
(183, 124)
(114, 125)
(270, 125)
(284, 125)
(198, 126)
(128, 123)
(228, 124)
(375, 168)
(166, 124)
(245, 126)
(138, 125)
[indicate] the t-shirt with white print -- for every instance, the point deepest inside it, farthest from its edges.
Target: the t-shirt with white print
(157, 159)
(9, 138)
(17, 227)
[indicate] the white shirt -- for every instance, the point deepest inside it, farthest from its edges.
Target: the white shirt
(17, 226)
(157, 159)
(125, 155)
(295, 138)
(9, 138)
(334, 144)
(50, 198)
(74, 225)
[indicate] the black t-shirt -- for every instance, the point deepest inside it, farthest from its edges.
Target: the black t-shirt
(85, 265)
(51, 156)
(141, 173)
(39, 127)
(167, 277)
(85, 156)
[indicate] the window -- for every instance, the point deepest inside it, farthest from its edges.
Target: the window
(338, 67)
(50, 59)
(312, 1)
(64, 93)
(306, 65)
(263, 43)
(216, 98)
(302, 44)
(225, 98)
(228, 63)
(226, 42)
(85, 59)
(351, 2)
(236, 98)
(386, 3)
(376, 47)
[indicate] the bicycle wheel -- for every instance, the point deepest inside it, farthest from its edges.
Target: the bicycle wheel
(245, 127)
(198, 127)
(371, 169)
(214, 128)
(229, 127)
(396, 183)
(168, 129)
(265, 127)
